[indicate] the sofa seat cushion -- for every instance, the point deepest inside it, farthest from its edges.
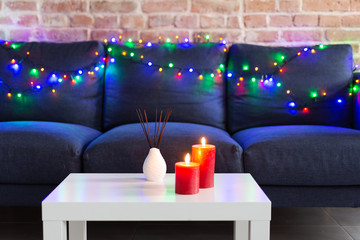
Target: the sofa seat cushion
(303, 155)
(123, 149)
(34, 152)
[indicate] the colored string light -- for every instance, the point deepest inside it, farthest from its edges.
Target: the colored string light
(37, 72)
(268, 81)
(134, 57)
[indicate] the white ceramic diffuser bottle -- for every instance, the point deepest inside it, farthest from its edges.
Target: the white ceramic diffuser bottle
(154, 167)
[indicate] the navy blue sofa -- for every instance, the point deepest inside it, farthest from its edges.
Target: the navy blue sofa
(287, 115)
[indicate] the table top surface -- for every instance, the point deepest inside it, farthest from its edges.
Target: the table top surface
(127, 197)
(133, 188)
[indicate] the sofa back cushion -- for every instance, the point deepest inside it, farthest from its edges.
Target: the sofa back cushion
(180, 76)
(356, 81)
(60, 82)
(289, 85)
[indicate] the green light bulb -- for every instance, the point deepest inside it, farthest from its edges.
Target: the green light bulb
(253, 79)
(34, 72)
(130, 40)
(313, 94)
(19, 95)
(132, 54)
(168, 40)
(245, 67)
(171, 65)
(278, 84)
(109, 49)
(207, 37)
(221, 67)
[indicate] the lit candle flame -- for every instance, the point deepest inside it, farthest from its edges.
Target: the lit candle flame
(187, 159)
(203, 142)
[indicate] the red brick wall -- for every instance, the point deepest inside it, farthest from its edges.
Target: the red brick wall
(270, 22)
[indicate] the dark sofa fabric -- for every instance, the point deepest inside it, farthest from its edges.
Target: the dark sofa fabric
(34, 152)
(317, 81)
(300, 158)
(24, 194)
(132, 83)
(124, 148)
(302, 155)
(313, 196)
(356, 80)
(79, 103)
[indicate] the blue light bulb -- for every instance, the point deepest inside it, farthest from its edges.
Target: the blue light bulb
(149, 64)
(53, 78)
(15, 67)
(191, 69)
(291, 104)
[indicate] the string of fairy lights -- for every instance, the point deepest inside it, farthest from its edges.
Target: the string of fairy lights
(54, 77)
(270, 80)
(246, 75)
(140, 59)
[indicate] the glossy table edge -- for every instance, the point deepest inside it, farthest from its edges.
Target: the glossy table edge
(184, 208)
(137, 180)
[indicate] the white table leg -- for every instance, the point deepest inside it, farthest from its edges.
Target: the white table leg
(259, 230)
(54, 230)
(241, 230)
(77, 230)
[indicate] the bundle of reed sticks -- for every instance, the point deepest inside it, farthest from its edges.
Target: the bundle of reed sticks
(160, 125)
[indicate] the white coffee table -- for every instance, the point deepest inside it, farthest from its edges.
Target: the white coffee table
(129, 197)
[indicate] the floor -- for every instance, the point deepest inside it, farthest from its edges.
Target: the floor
(287, 223)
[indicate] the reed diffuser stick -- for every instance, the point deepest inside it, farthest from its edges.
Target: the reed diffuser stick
(166, 119)
(143, 125)
(160, 124)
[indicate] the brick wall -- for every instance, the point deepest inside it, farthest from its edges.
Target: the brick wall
(270, 22)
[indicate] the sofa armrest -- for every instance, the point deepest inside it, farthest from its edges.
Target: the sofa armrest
(356, 82)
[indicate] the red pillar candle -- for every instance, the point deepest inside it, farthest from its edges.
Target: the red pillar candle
(204, 154)
(187, 176)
